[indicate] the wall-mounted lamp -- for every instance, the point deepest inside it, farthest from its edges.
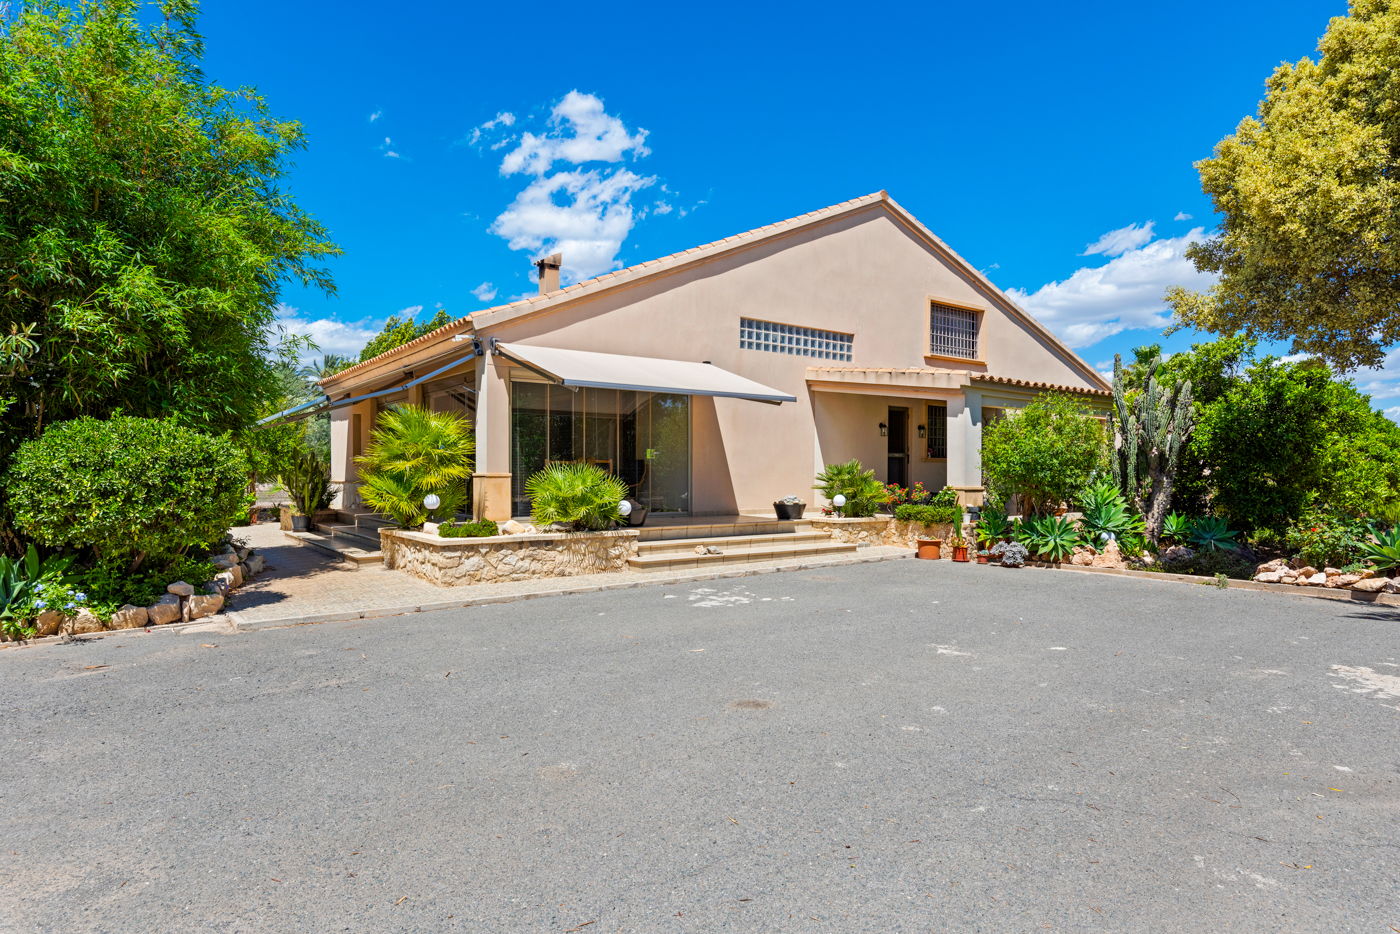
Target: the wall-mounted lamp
(922, 431)
(884, 429)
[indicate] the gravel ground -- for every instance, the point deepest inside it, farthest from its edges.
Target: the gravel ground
(905, 746)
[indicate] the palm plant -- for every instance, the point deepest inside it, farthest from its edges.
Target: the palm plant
(1211, 534)
(1384, 551)
(415, 452)
(583, 496)
(862, 491)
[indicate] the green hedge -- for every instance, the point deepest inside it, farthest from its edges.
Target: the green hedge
(942, 509)
(131, 490)
(483, 528)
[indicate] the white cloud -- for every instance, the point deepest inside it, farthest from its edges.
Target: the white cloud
(331, 336)
(1124, 293)
(389, 153)
(485, 292)
(1383, 385)
(588, 229)
(581, 131)
(583, 213)
(662, 207)
(376, 115)
(1182, 216)
(1117, 242)
(504, 118)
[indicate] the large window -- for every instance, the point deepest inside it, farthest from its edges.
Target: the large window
(642, 437)
(937, 431)
(952, 331)
(794, 340)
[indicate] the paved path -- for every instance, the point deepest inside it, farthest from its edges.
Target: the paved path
(906, 746)
(303, 582)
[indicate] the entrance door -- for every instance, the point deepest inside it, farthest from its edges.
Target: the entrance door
(898, 438)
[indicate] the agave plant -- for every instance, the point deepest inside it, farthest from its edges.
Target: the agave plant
(1106, 514)
(412, 453)
(1176, 527)
(992, 527)
(1057, 538)
(1384, 552)
(862, 491)
(1211, 534)
(583, 496)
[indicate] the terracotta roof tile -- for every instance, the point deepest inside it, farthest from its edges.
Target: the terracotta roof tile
(1031, 384)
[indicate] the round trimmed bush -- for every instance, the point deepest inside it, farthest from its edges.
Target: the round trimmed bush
(130, 489)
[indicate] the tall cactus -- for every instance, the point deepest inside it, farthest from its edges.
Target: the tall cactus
(1148, 436)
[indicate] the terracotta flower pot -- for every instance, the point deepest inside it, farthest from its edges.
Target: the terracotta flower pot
(929, 548)
(960, 553)
(982, 559)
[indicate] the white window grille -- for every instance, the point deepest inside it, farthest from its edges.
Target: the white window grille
(952, 331)
(794, 340)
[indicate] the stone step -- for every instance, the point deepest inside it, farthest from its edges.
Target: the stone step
(352, 535)
(718, 529)
(336, 547)
(727, 542)
(679, 561)
(371, 522)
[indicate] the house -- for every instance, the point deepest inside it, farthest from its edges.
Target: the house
(717, 380)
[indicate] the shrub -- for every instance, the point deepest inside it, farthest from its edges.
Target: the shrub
(132, 490)
(1327, 539)
(582, 496)
(108, 588)
(942, 509)
(1045, 453)
(1012, 554)
(1211, 564)
(864, 494)
(28, 586)
(412, 453)
(483, 528)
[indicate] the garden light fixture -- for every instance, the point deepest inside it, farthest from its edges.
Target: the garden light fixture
(838, 501)
(431, 502)
(624, 508)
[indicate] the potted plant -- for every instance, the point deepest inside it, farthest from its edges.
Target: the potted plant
(959, 547)
(638, 516)
(789, 508)
(929, 548)
(983, 556)
(307, 480)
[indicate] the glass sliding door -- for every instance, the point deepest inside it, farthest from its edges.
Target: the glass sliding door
(641, 437)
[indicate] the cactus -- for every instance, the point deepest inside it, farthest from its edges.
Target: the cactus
(1147, 437)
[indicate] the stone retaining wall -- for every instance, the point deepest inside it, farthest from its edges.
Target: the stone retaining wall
(880, 530)
(457, 562)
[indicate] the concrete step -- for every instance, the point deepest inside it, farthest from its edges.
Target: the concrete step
(761, 554)
(336, 547)
(717, 529)
(352, 535)
(371, 522)
(727, 542)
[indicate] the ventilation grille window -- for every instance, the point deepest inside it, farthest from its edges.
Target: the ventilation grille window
(793, 340)
(953, 332)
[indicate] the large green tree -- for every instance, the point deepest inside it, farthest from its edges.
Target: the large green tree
(1044, 453)
(1308, 248)
(397, 332)
(144, 230)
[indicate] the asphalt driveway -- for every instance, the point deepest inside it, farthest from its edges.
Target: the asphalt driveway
(907, 746)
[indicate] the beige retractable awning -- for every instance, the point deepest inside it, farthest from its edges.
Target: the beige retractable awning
(644, 374)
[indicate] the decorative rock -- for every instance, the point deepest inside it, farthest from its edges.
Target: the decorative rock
(243, 554)
(1177, 553)
(130, 617)
(1277, 564)
(1269, 577)
(1111, 557)
(200, 606)
(1332, 572)
(1367, 574)
(85, 621)
(255, 565)
(511, 527)
(223, 562)
(180, 589)
(1316, 580)
(48, 622)
(1392, 585)
(1370, 585)
(1306, 571)
(165, 610)
(221, 584)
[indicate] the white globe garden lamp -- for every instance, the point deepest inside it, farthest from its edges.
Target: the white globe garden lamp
(838, 501)
(624, 508)
(431, 503)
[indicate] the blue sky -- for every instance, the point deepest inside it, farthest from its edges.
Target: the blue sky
(1050, 144)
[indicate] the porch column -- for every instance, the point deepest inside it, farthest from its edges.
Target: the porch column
(491, 482)
(965, 447)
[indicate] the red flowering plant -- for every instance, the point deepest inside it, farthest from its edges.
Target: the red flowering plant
(900, 495)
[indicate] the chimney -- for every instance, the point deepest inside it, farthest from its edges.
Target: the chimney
(549, 272)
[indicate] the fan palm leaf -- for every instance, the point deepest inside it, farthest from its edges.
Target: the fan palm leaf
(414, 452)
